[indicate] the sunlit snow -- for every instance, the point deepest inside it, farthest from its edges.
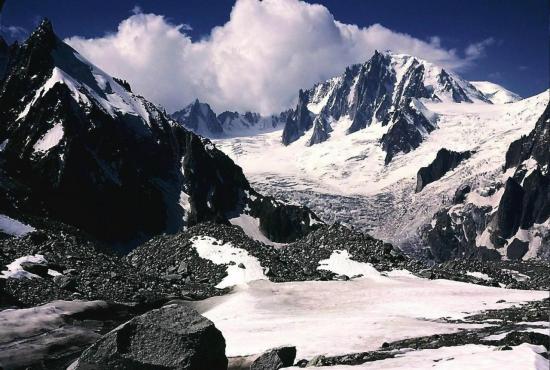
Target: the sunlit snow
(14, 227)
(50, 139)
(339, 317)
(241, 267)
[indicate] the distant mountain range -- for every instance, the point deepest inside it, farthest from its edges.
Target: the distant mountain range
(389, 89)
(368, 133)
(418, 148)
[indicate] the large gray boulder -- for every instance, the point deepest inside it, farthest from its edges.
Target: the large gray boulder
(171, 337)
(275, 359)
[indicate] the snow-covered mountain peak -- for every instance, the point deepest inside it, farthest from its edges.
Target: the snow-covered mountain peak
(199, 118)
(496, 93)
(80, 139)
(388, 89)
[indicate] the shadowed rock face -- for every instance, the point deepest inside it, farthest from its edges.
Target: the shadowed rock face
(299, 122)
(123, 175)
(172, 337)
(524, 207)
(408, 126)
(275, 359)
(321, 130)
(534, 145)
(444, 161)
(199, 118)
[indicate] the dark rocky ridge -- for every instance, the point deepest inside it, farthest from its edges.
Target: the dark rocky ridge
(128, 171)
(199, 118)
(321, 130)
(445, 161)
(525, 203)
(408, 126)
(298, 122)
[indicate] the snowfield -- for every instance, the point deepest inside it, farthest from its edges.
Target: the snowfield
(340, 317)
(470, 356)
(344, 179)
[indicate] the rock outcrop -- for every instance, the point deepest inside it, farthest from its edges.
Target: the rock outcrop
(445, 161)
(171, 337)
(275, 359)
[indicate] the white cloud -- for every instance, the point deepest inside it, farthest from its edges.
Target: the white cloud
(256, 61)
(477, 50)
(14, 32)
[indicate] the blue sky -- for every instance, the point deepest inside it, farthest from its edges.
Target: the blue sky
(512, 34)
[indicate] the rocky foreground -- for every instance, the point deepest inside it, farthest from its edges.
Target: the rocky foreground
(87, 303)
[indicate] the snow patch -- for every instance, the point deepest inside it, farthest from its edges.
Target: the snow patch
(15, 271)
(251, 227)
(466, 357)
(13, 227)
(478, 275)
(225, 254)
(50, 139)
(185, 205)
(340, 263)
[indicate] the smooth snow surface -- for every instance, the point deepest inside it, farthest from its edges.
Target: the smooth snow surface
(50, 139)
(15, 271)
(241, 267)
(345, 179)
(13, 227)
(496, 93)
(339, 317)
(340, 263)
(467, 357)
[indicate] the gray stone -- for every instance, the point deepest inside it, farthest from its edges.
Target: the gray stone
(275, 359)
(171, 337)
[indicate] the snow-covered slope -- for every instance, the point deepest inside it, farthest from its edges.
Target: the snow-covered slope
(342, 317)
(346, 178)
(496, 93)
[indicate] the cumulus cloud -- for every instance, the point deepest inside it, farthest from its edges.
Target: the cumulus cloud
(256, 61)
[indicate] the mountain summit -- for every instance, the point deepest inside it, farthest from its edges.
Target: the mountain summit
(389, 89)
(97, 156)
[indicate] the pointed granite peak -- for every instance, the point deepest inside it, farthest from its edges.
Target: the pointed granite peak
(43, 34)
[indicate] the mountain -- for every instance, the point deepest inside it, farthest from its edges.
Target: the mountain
(347, 178)
(496, 93)
(6, 55)
(96, 156)
(387, 90)
(201, 119)
(512, 218)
